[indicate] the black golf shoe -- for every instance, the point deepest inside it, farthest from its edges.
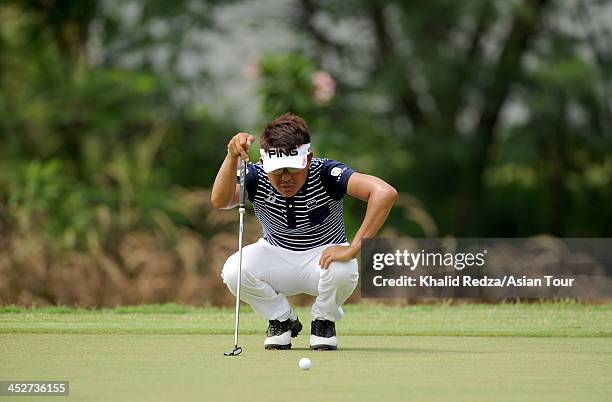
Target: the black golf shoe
(323, 335)
(280, 333)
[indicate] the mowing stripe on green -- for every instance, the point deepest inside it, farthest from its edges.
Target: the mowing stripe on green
(508, 320)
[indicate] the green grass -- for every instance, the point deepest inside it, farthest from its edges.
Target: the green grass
(539, 352)
(533, 320)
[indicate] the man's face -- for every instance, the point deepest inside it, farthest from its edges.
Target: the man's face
(288, 184)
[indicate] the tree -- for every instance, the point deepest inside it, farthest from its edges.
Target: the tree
(474, 105)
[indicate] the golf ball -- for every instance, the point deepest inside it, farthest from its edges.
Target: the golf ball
(305, 363)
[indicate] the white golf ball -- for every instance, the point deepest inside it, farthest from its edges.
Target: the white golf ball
(305, 363)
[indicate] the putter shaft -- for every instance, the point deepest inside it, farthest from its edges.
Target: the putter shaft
(237, 349)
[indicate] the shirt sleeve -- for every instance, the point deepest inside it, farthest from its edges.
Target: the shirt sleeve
(250, 180)
(335, 176)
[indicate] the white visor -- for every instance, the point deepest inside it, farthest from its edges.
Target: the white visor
(276, 158)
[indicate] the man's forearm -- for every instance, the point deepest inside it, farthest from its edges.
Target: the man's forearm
(223, 194)
(224, 188)
(379, 206)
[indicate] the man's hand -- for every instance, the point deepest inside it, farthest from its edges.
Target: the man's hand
(336, 253)
(239, 145)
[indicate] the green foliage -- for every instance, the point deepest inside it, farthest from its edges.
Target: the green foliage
(90, 151)
(491, 117)
(286, 85)
(493, 114)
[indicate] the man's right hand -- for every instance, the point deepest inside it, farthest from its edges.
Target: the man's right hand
(239, 145)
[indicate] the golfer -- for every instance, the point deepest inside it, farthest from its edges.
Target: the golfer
(299, 201)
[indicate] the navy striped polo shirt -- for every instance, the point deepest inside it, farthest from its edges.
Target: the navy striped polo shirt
(311, 218)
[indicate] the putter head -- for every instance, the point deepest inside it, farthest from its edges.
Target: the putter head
(237, 350)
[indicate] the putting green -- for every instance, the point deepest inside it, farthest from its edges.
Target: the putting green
(145, 355)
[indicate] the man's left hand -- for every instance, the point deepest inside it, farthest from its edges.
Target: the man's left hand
(336, 253)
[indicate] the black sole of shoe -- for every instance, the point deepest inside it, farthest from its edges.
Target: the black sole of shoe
(323, 347)
(296, 331)
(277, 347)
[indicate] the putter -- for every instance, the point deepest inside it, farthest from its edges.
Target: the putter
(237, 349)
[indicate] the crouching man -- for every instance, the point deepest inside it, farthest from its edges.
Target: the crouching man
(299, 201)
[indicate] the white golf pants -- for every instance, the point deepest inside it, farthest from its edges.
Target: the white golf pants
(270, 273)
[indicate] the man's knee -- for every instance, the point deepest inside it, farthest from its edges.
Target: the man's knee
(342, 273)
(230, 273)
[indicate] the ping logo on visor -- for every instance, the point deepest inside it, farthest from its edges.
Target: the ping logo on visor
(279, 153)
(275, 160)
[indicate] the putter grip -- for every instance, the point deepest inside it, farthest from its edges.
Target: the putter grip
(242, 181)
